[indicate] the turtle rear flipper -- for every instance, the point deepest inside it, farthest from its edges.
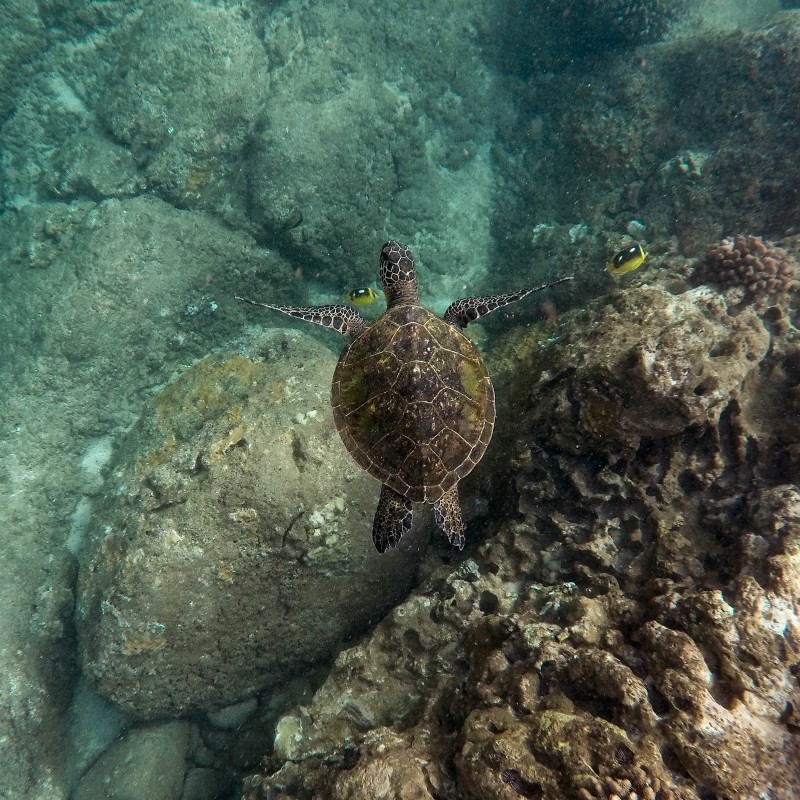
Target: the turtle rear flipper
(447, 513)
(393, 518)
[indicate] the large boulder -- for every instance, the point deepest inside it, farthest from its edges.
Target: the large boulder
(233, 545)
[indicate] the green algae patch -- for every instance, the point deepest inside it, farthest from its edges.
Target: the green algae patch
(213, 387)
(214, 391)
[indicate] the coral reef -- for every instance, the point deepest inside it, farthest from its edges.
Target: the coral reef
(543, 35)
(634, 631)
(755, 264)
(152, 152)
(692, 140)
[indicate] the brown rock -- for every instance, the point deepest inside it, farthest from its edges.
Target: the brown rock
(233, 546)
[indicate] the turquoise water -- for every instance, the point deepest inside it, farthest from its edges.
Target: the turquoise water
(193, 606)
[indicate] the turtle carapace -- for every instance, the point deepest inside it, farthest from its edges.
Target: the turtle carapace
(411, 397)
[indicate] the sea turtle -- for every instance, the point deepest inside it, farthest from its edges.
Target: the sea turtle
(411, 397)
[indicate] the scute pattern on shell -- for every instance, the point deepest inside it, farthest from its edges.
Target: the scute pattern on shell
(755, 264)
(413, 403)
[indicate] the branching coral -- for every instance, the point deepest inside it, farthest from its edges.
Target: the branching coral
(750, 262)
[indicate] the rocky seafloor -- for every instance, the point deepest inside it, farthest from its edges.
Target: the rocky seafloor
(191, 607)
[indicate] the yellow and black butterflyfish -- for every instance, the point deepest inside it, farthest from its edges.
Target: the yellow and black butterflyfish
(627, 260)
(362, 297)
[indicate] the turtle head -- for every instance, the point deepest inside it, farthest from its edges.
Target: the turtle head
(398, 276)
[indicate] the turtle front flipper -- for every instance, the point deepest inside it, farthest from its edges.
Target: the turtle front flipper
(467, 310)
(343, 319)
(393, 518)
(447, 513)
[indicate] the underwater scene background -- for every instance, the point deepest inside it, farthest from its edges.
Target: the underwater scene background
(191, 606)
